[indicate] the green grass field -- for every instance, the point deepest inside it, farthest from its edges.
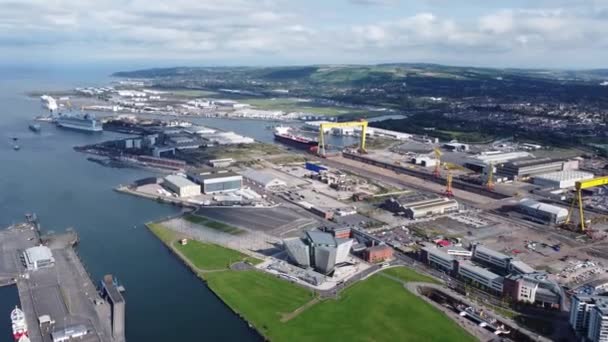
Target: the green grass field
(407, 274)
(377, 309)
(260, 297)
(203, 221)
(207, 256)
(204, 256)
(167, 236)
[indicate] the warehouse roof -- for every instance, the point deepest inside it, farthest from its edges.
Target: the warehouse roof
(261, 177)
(179, 181)
(565, 175)
(207, 175)
(548, 208)
(38, 253)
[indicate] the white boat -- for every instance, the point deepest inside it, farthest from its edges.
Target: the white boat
(48, 102)
(19, 324)
(84, 122)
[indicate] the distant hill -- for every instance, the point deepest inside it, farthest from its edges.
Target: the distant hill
(342, 74)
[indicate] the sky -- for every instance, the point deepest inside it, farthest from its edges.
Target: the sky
(516, 33)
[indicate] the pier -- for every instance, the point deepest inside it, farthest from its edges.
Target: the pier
(60, 301)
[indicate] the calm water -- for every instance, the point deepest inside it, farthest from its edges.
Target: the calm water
(164, 300)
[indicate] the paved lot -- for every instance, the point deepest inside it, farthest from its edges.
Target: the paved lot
(63, 291)
(269, 220)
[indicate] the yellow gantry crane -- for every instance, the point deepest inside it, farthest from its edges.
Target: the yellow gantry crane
(490, 180)
(578, 198)
(330, 125)
(437, 171)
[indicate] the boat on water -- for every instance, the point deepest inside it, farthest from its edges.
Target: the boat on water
(16, 147)
(19, 325)
(82, 122)
(283, 134)
(35, 127)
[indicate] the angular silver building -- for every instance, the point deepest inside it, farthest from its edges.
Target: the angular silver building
(318, 250)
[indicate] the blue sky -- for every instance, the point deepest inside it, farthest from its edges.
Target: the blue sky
(543, 33)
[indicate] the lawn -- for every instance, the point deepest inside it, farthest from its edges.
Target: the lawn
(203, 221)
(377, 309)
(407, 274)
(163, 233)
(207, 256)
(260, 297)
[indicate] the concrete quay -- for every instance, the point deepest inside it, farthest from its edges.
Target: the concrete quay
(60, 299)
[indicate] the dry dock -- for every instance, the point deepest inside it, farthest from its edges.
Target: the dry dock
(61, 299)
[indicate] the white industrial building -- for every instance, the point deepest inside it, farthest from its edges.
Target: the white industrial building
(480, 276)
(181, 186)
(437, 206)
(216, 181)
(561, 179)
(425, 161)
(38, 257)
(264, 179)
(497, 157)
(542, 212)
(419, 209)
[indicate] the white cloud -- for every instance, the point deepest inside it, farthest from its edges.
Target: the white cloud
(272, 29)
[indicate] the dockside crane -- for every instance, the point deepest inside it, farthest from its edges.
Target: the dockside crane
(437, 171)
(490, 180)
(448, 188)
(578, 199)
(330, 125)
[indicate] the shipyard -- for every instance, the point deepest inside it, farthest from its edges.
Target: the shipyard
(323, 216)
(59, 301)
(329, 201)
(324, 204)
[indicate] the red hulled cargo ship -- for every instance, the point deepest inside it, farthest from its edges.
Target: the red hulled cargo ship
(282, 134)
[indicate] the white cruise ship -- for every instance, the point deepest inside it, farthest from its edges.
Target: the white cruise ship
(84, 122)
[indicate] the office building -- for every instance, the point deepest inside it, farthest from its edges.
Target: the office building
(542, 212)
(38, 257)
(598, 321)
(480, 276)
(378, 253)
(212, 182)
(580, 313)
(490, 257)
(520, 267)
(181, 186)
(534, 288)
(439, 259)
(319, 250)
